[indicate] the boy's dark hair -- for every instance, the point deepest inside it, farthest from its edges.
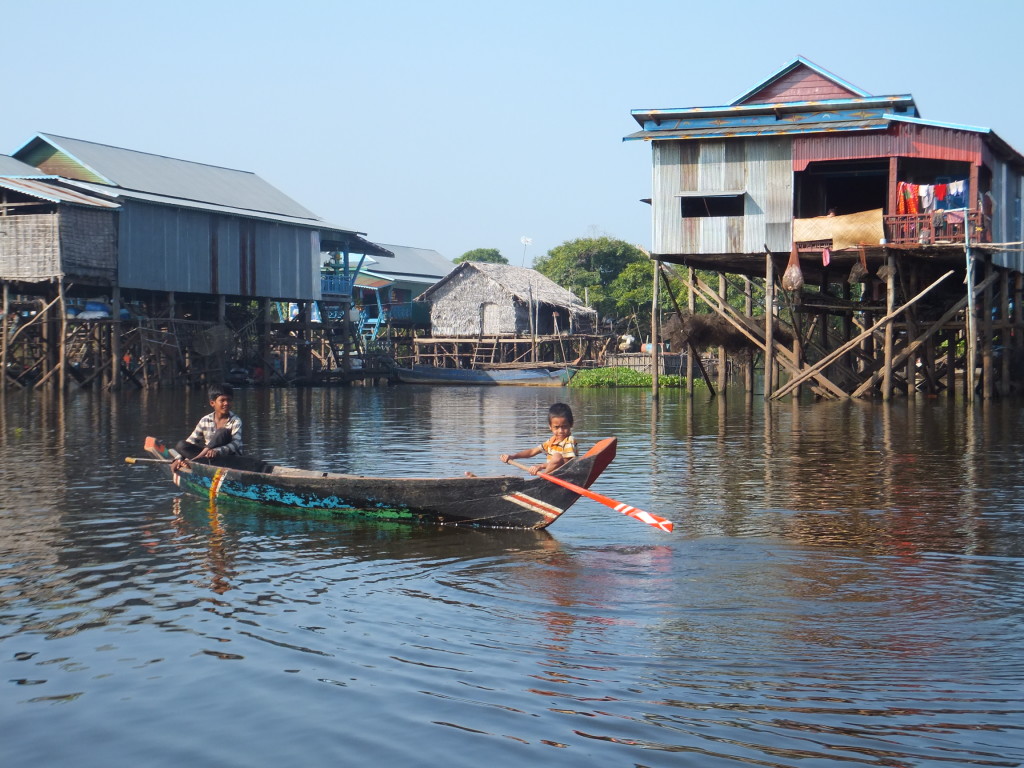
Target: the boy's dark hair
(216, 390)
(560, 411)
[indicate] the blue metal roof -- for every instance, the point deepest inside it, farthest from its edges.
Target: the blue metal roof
(778, 129)
(937, 124)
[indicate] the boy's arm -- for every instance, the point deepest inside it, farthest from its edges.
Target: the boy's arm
(529, 453)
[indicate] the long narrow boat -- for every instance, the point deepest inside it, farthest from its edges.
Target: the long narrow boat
(535, 377)
(495, 502)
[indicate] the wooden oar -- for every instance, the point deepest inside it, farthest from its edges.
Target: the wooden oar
(618, 506)
(133, 460)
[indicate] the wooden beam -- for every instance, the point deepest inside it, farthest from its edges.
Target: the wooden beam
(837, 353)
(933, 328)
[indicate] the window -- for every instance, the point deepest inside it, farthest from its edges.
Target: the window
(708, 206)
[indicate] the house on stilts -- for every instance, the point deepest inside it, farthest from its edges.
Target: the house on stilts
(123, 266)
(891, 243)
(486, 315)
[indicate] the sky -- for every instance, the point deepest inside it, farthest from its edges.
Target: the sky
(453, 125)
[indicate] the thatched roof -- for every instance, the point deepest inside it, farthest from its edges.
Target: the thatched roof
(524, 284)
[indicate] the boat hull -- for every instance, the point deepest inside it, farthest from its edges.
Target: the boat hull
(494, 502)
(535, 377)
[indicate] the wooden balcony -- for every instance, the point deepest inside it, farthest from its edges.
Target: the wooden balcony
(935, 228)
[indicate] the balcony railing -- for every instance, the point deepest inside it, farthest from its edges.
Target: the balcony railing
(336, 285)
(935, 228)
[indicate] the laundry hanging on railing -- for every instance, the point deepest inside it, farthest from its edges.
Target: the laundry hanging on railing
(925, 198)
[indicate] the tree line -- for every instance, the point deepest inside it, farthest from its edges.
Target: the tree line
(613, 277)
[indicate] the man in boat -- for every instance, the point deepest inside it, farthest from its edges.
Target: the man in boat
(217, 436)
(560, 448)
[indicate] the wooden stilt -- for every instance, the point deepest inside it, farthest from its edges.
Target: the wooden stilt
(748, 312)
(890, 303)
(1004, 332)
(115, 340)
(6, 331)
(723, 360)
(769, 325)
(987, 390)
(655, 330)
(691, 305)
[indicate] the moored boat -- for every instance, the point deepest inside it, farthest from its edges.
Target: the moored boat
(536, 377)
(503, 501)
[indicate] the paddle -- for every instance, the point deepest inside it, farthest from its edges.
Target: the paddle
(133, 460)
(638, 514)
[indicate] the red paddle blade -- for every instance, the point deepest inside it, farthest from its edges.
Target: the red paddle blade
(645, 517)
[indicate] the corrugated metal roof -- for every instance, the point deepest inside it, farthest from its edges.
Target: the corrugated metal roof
(736, 112)
(370, 280)
(53, 193)
(779, 129)
(116, 192)
(10, 166)
(173, 178)
(417, 265)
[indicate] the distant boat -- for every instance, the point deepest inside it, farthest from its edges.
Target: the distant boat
(535, 377)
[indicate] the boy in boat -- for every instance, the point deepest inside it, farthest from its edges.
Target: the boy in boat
(560, 448)
(217, 435)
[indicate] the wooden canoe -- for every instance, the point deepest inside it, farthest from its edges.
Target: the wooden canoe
(504, 501)
(531, 377)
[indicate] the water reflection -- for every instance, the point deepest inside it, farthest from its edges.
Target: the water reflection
(844, 585)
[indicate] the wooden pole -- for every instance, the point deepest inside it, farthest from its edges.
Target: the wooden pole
(723, 361)
(691, 306)
(748, 312)
(692, 356)
(986, 336)
(115, 339)
(890, 303)
(769, 324)
(3, 347)
(1004, 331)
(655, 330)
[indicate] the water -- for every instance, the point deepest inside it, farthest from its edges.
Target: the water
(844, 587)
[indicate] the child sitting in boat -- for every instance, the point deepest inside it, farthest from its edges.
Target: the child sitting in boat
(560, 448)
(217, 435)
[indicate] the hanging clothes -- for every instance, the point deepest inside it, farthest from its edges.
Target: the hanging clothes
(910, 196)
(927, 195)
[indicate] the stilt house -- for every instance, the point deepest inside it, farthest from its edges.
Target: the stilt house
(148, 237)
(478, 298)
(863, 204)
(496, 315)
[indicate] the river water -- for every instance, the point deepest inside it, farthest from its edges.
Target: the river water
(844, 587)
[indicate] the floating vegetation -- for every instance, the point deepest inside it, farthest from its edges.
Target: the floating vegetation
(623, 377)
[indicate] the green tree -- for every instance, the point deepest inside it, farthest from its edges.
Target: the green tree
(490, 255)
(589, 267)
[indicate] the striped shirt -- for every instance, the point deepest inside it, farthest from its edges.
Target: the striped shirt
(566, 447)
(206, 428)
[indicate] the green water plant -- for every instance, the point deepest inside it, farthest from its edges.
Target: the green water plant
(622, 377)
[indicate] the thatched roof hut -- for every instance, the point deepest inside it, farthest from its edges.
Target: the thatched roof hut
(478, 298)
